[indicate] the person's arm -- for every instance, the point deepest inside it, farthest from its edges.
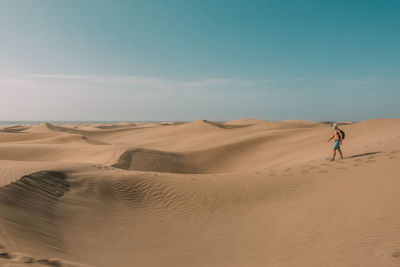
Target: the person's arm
(331, 138)
(340, 137)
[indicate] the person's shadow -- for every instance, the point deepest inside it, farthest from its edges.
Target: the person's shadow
(365, 154)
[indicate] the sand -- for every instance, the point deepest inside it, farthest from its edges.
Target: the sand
(241, 193)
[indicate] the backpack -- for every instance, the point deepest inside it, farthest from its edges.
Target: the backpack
(341, 131)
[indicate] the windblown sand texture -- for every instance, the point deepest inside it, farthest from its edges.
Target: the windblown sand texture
(240, 193)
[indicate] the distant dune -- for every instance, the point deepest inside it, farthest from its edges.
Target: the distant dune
(246, 192)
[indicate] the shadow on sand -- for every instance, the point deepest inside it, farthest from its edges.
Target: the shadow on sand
(365, 154)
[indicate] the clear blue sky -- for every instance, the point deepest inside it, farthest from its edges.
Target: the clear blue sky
(192, 59)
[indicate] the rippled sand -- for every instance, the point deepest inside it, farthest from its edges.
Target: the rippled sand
(241, 193)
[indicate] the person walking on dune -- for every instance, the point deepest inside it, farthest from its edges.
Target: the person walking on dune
(337, 137)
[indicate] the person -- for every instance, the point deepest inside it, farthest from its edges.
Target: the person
(337, 137)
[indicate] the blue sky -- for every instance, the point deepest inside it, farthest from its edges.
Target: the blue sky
(188, 60)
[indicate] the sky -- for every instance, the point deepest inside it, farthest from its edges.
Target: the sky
(157, 60)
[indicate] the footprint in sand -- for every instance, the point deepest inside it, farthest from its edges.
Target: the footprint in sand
(28, 260)
(396, 254)
(55, 263)
(323, 171)
(6, 256)
(16, 259)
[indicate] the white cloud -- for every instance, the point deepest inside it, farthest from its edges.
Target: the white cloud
(356, 82)
(95, 97)
(137, 81)
(300, 79)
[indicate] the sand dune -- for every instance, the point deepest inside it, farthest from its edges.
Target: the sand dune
(156, 161)
(226, 125)
(14, 129)
(239, 193)
(66, 139)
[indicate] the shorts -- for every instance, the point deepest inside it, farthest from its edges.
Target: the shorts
(336, 146)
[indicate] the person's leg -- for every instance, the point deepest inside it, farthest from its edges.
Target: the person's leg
(340, 153)
(335, 147)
